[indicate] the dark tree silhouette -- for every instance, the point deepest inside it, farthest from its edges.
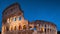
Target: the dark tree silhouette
(58, 32)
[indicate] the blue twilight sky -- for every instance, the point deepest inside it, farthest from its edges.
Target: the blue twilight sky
(48, 10)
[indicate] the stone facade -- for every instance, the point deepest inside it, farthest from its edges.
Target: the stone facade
(13, 22)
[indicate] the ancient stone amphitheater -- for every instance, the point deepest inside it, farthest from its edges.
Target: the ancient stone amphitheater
(13, 22)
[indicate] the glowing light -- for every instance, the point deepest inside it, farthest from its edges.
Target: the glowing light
(42, 29)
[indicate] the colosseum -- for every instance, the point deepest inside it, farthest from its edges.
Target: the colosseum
(13, 22)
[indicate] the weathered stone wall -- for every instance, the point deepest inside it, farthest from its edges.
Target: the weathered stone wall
(20, 32)
(27, 32)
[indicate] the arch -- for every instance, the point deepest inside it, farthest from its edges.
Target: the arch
(45, 30)
(20, 18)
(42, 29)
(14, 19)
(45, 25)
(7, 28)
(19, 27)
(24, 27)
(15, 28)
(11, 28)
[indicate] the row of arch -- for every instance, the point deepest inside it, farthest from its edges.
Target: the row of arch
(14, 19)
(42, 29)
(24, 27)
(11, 28)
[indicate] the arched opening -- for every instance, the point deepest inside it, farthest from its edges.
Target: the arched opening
(15, 28)
(45, 30)
(19, 27)
(20, 18)
(24, 27)
(11, 28)
(14, 19)
(42, 29)
(45, 25)
(7, 28)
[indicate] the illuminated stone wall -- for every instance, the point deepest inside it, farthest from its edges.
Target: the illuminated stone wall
(44, 27)
(13, 22)
(13, 19)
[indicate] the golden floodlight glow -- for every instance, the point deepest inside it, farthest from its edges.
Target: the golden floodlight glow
(24, 27)
(13, 22)
(42, 29)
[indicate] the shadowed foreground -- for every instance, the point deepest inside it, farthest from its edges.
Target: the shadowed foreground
(57, 32)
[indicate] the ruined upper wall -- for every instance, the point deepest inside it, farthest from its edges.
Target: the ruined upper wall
(10, 11)
(42, 22)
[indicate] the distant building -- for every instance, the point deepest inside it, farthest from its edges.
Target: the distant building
(13, 22)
